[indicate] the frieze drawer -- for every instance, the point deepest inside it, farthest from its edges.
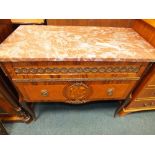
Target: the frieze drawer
(53, 70)
(74, 92)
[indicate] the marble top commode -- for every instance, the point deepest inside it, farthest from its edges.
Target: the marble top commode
(75, 43)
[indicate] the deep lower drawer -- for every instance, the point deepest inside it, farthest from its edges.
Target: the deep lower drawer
(74, 92)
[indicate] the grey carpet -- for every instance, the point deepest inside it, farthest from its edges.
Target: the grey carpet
(89, 119)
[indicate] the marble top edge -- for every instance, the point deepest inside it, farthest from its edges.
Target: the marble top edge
(76, 60)
(72, 26)
(75, 43)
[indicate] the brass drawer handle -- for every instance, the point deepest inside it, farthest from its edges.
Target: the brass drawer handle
(145, 104)
(44, 93)
(110, 91)
(151, 104)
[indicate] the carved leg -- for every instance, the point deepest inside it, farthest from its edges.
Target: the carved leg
(2, 129)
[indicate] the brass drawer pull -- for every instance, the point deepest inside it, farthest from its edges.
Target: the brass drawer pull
(149, 104)
(110, 91)
(44, 93)
(145, 104)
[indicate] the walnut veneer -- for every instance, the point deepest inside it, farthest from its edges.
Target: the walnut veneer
(143, 97)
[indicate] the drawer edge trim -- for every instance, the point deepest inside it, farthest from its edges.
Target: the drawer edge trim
(145, 99)
(137, 109)
(77, 79)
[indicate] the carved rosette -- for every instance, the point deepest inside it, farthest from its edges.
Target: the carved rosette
(77, 93)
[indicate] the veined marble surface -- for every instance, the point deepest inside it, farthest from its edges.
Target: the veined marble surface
(75, 43)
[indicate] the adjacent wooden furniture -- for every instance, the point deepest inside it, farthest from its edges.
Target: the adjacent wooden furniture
(146, 30)
(143, 97)
(5, 28)
(2, 129)
(151, 22)
(10, 109)
(27, 21)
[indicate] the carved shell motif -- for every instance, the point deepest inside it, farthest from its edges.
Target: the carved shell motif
(77, 93)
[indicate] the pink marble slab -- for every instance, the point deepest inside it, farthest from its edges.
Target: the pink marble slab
(75, 43)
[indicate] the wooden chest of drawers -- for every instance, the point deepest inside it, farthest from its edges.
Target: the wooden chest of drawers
(144, 95)
(74, 64)
(73, 82)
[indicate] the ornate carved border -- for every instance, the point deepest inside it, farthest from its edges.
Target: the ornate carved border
(104, 69)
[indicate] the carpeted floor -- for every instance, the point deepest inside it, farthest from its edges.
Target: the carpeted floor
(89, 119)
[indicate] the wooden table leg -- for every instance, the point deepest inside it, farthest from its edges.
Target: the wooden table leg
(30, 109)
(120, 109)
(123, 113)
(2, 129)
